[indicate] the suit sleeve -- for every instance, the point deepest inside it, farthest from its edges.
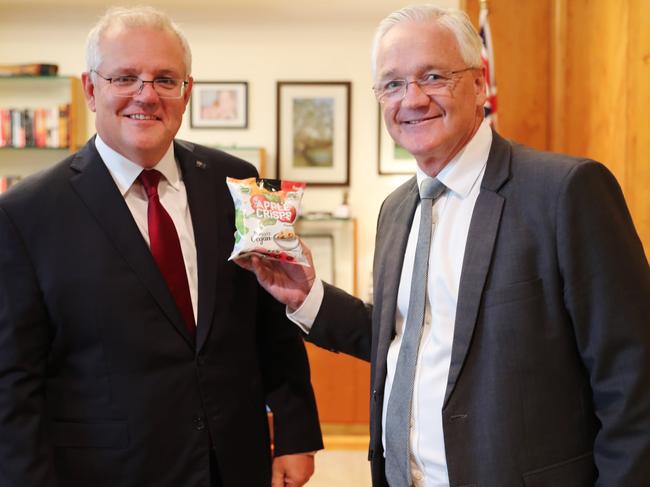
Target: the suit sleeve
(607, 294)
(287, 383)
(25, 457)
(343, 324)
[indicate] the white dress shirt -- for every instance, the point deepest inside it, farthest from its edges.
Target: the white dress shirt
(172, 194)
(452, 213)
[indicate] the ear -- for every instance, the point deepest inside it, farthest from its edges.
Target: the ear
(89, 90)
(188, 90)
(480, 87)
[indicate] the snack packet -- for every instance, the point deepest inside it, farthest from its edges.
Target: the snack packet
(265, 212)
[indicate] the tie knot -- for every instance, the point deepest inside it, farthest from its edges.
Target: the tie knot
(431, 188)
(149, 180)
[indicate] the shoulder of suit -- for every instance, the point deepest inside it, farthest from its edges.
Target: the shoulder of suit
(401, 192)
(43, 184)
(526, 156)
(541, 173)
(231, 165)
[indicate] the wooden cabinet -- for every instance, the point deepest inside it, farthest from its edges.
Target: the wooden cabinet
(341, 383)
(32, 94)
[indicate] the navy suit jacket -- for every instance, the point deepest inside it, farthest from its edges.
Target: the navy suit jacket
(550, 365)
(100, 382)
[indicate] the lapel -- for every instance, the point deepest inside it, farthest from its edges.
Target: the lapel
(481, 238)
(95, 186)
(202, 199)
(395, 238)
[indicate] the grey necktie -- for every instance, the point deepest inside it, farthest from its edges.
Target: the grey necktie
(398, 413)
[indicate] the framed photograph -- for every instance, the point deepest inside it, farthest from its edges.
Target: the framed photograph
(313, 132)
(219, 105)
(393, 158)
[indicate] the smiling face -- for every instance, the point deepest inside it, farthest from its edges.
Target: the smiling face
(432, 128)
(143, 126)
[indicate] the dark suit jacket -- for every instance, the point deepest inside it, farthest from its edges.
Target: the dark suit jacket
(549, 383)
(100, 383)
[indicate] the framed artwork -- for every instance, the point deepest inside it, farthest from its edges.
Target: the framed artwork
(322, 251)
(333, 244)
(255, 155)
(393, 158)
(219, 105)
(313, 132)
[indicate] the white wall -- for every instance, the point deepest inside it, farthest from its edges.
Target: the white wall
(251, 44)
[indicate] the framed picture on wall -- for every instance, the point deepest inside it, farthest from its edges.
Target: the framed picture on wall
(323, 252)
(333, 245)
(393, 158)
(313, 132)
(255, 155)
(219, 104)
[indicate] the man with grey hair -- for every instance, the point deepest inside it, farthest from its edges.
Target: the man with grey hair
(132, 353)
(509, 337)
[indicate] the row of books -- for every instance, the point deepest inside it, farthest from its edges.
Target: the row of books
(30, 69)
(7, 182)
(35, 127)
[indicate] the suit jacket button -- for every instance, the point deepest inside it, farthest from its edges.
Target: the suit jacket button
(199, 424)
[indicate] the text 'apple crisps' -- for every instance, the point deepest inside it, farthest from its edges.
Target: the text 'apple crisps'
(265, 213)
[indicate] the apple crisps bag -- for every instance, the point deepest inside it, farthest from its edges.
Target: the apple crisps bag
(265, 212)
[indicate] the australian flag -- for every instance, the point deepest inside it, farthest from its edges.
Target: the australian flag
(487, 56)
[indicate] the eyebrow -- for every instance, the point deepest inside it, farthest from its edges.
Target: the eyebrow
(168, 73)
(392, 73)
(126, 71)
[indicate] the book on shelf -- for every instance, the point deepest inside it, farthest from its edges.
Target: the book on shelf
(7, 182)
(35, 127)
(29, 69)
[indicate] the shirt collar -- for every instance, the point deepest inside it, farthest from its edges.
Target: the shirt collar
(125, 171)
(463, 171)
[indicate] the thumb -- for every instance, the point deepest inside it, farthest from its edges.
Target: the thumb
(277, 478)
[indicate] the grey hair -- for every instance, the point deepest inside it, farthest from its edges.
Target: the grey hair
(130, 18)
(457, 21)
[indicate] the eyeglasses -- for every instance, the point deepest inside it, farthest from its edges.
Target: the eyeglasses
(431, 83)
(127, 85)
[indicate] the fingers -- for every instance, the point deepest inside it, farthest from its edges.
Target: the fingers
(244, 263)
(277, 475)
(251, 263)
(307, 252)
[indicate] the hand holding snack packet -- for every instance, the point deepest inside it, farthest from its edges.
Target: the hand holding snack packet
(265, 213)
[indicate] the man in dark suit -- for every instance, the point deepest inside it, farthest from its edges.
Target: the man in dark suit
(131, 352)
(513, 323)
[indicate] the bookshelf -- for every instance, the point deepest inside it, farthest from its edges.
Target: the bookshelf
(48, 96)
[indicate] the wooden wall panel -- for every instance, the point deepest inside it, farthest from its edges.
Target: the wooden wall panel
(573, 76)
(520, 34)
(342, 386)
(595, 82)
(602, 86)
(637, 182)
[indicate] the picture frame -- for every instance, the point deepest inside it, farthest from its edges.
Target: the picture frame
(323, 253)
(255, 155)
(219, 105)
(392, 158)
(313, 132)
(333, 244)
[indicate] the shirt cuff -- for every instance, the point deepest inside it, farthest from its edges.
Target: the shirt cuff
(305, 316)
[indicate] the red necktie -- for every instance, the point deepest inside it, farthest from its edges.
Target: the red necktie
(166, 248)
